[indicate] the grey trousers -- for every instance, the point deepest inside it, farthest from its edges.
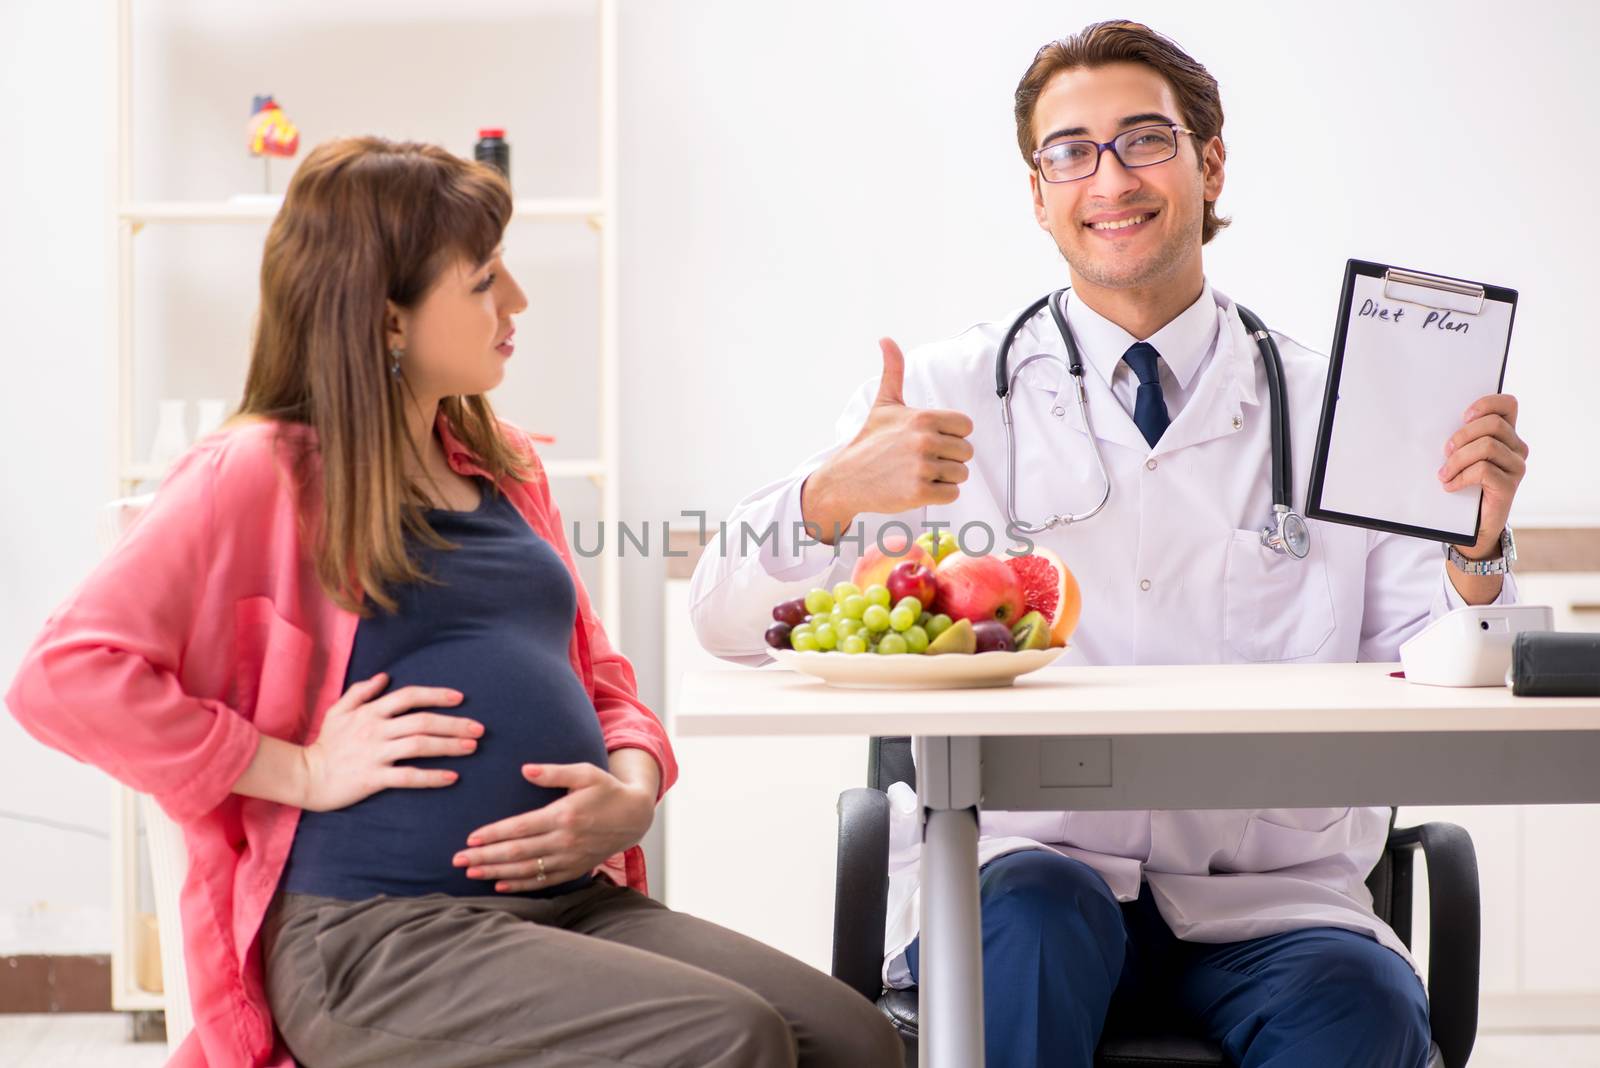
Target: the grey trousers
(599, 977)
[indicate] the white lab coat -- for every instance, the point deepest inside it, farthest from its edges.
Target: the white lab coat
(1171, 572)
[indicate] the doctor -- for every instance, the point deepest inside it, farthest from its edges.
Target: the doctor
(1256, 925)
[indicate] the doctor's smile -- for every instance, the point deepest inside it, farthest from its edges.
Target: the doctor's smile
(1121, 225)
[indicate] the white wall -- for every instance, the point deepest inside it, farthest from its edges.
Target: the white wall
(771, 229)
(781, 227)
(53, 302)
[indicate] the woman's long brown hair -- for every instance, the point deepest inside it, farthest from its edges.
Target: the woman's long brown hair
(367, 221)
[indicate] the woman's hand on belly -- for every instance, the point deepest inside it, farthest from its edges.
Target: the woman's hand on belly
(600, 816)
(363, 735)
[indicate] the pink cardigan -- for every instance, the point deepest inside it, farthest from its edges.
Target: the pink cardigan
(205, 628)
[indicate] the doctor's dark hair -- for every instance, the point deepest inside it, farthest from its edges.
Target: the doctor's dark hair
(1104, 43)
(366, 221)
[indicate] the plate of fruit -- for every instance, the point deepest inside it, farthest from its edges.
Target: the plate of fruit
(929, 616)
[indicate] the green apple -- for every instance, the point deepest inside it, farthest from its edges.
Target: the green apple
(945, 545)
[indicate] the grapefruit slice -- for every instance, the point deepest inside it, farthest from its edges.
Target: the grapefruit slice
(1049, 588)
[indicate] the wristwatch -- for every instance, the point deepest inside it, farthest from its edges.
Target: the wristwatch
(1498, 565)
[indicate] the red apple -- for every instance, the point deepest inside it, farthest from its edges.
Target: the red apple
(875, 564)
(978, 588)
(911, 579)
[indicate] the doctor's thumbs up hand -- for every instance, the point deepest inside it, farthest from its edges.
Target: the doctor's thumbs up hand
(903, 458)
(1487, 452)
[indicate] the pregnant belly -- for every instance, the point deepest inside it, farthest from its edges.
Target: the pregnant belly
(401, 841)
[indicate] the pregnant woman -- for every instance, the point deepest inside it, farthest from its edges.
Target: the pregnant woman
(347, 649)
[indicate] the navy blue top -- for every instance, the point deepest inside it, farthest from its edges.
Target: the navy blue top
(497, 630)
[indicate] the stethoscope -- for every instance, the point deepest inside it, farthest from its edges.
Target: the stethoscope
(1285, 533)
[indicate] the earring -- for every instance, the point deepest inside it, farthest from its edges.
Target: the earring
(394, 360)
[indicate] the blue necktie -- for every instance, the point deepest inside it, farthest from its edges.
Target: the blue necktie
(1149, 406)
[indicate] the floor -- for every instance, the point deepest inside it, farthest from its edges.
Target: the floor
(74, 1040)
(100, 1041)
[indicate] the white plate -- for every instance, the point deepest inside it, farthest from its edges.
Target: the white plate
(949, 671)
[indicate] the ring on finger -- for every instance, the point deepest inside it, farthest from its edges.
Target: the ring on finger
(542, 873)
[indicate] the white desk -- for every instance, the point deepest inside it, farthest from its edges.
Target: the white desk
(1212, 736)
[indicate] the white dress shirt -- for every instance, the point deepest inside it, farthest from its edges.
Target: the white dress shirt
(1185, 347)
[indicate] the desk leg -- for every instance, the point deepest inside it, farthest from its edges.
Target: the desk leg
(950, 993)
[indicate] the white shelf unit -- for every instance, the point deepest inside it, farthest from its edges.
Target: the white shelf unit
(129, 216)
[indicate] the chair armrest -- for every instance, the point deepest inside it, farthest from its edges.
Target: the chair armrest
(861, 890)
(1454, 923)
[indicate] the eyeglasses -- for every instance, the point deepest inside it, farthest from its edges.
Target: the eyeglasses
(1143, 146)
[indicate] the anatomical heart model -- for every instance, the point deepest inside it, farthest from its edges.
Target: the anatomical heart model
(271, 134)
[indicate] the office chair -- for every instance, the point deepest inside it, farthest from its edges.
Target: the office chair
(862, 885)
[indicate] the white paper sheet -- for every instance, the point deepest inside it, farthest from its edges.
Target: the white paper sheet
(1404, 384)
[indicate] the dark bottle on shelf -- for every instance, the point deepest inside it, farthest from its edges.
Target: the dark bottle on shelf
(493, 150)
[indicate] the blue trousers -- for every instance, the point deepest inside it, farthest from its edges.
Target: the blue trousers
(1063, 960)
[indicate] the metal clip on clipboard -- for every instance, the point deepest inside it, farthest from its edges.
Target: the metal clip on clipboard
(1433, 291)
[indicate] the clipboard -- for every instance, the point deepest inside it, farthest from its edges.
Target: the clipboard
(1411, 351)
